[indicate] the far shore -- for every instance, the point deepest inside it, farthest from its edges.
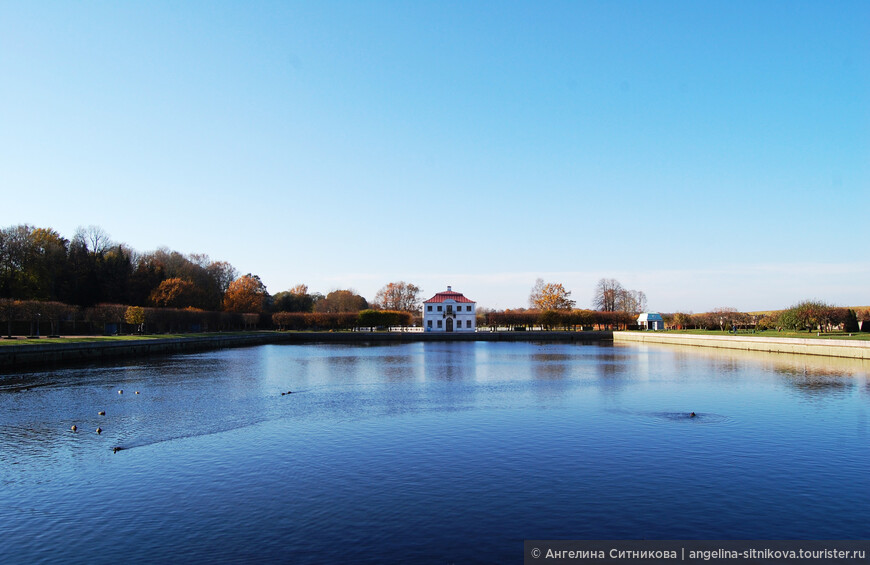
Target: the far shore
(27, 352)
(58, 351)
(376, 335)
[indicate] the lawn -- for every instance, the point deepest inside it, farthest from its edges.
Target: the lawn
(773, 333)
(107, 338)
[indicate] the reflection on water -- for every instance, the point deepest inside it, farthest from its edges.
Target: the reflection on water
(805, 373)
(730, 359)
(817, 384)
(408, 451)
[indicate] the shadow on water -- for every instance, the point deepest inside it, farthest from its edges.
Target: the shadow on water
(550, 366)
(613, 374)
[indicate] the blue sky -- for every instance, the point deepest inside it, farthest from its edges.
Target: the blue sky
(709, 154)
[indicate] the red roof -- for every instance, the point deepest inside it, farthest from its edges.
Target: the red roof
(449, 295)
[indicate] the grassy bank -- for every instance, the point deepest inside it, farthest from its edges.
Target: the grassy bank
(773, 333)
(773, 342)
(110, 338)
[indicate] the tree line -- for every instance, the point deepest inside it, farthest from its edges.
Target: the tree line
(92, 280)
(609, 296)
(39, 264)
(554, 319)
(807, 315)
(90, 268)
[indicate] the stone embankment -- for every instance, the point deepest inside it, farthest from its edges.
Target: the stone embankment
(824, 347)
(15, 356)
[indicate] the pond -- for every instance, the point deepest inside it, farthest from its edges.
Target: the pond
(427, 452)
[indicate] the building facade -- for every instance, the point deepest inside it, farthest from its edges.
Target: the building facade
(651, 321)
(449, 311)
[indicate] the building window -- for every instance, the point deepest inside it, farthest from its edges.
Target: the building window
(467, 323)
(439, 308)
(450, 308)
(468, 308)
(429, 323)
(429, 308)
(439, 323)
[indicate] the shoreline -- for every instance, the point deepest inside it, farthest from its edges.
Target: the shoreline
(850, 349)
(34, 355)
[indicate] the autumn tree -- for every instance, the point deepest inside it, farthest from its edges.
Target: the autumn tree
(246, 294)
(726, 316)
(296, 299)
(341, 301)
(175, 293)
(810, 315)
(682, 321)
(135, 316)
(212, 278)
(550, 296)
(400, 296)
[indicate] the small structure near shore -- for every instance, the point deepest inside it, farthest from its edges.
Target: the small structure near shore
(651, 321)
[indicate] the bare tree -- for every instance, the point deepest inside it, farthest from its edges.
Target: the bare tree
(632, 301)
(537, 292)
(200, 259)
(223, 274)
(607, 293)
(95, 239)
(611, 296)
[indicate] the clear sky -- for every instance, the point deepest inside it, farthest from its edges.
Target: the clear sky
(707, 153)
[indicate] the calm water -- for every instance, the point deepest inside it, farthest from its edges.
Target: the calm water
(438, 453)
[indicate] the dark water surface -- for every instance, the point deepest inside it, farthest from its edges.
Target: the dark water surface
(427, 452)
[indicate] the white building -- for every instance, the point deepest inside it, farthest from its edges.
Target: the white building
(651, 321)
(449, 312)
